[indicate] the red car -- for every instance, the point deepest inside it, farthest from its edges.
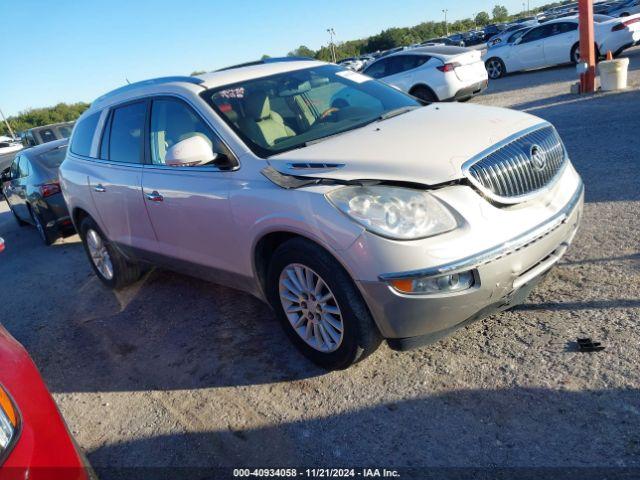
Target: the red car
(34, 441)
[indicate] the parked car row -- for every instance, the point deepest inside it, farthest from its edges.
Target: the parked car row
(557, 42)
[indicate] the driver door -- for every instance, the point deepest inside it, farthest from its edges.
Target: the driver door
(529, 52)
(188, 205)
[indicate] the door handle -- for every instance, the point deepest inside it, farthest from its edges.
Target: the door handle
(99, 188)
(154, 196)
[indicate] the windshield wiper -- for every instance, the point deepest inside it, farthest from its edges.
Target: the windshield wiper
(396, 112)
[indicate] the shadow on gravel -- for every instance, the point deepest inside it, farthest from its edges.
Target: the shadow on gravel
(167, 332)
(523, 427)
(596, 305)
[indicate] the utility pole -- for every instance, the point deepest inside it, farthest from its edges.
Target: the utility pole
(446, 25)
(7, 124)
(332, 45)
(587, 46)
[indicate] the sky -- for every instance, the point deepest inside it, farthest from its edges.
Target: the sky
(76, 50)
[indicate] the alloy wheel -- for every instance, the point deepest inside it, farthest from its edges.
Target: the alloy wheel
(311, 308)
(495, 69)
(99, 254)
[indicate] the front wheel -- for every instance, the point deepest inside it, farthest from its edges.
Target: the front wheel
(111, 267)
(319, 306)
(495, 68)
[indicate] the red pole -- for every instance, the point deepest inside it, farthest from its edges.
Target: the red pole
(587, 46)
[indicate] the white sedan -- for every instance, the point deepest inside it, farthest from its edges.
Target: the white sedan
(433, 74)
(558, 41)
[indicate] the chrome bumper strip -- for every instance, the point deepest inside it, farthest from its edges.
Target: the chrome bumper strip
(498, 251)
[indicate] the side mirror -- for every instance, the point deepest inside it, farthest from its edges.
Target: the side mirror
(191, 152)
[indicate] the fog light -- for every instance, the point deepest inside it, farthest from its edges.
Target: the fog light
(456, 282)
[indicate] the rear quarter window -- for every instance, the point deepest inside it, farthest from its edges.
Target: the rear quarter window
(83, 135)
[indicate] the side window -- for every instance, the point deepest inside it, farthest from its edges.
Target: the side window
(127, 132)
(83, 135)
(173, 121)
(377, 69)
(536, 34)
(47, 135)
(567, 27)
(15, 172)
(23, 167)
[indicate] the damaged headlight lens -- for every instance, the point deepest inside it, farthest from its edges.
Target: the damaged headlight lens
(394, 212)
(8, 421)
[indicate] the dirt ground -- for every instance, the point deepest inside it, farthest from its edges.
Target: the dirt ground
(178, 372)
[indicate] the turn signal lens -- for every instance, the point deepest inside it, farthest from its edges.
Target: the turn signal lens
(8, 421)
(455, 282)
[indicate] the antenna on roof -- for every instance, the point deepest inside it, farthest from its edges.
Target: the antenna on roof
(128, 82)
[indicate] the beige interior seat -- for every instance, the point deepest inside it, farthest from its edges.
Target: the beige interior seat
(263, 125)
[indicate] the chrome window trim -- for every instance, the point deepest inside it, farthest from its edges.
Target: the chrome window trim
(466, 167)
(498, 251)
(106, 110)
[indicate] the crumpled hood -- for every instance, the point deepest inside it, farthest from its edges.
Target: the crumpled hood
(428, 145)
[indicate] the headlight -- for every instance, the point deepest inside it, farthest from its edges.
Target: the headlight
(398, 213)
(8, 421)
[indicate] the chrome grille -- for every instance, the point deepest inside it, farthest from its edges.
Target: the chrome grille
(515, 169)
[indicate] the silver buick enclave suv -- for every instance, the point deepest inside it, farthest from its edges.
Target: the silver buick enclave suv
(358, 213)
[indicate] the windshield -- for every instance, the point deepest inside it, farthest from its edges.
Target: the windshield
(286, 111)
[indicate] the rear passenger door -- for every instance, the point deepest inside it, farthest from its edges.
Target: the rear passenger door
(401, 70)
(189, 205)
(115, 181)
(557, 46)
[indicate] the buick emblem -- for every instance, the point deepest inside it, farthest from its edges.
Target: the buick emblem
(538, 157)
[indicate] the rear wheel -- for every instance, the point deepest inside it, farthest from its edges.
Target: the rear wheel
(575, 53)
(319, 306)
(45, 234)
(424, 93)
(111, 267)
(19, 221)
(495, 68)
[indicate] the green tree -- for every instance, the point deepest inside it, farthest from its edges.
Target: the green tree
(265, 57)
(483, 19)
(197, 72)
(302, 51)
(37, 117)
(500, 13)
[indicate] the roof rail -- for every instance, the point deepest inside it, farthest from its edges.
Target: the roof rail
(266, 61)
(152, 81)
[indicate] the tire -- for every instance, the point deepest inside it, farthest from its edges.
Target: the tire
(575, 53)
(359, 336)
(424, 93)
(113, 269)
(45, 234)
(19, 221)
(495, 68)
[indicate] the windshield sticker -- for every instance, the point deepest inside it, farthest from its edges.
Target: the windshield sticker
(232, 93)
(353, 76)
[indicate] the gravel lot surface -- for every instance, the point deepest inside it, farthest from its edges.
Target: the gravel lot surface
(176, 371)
